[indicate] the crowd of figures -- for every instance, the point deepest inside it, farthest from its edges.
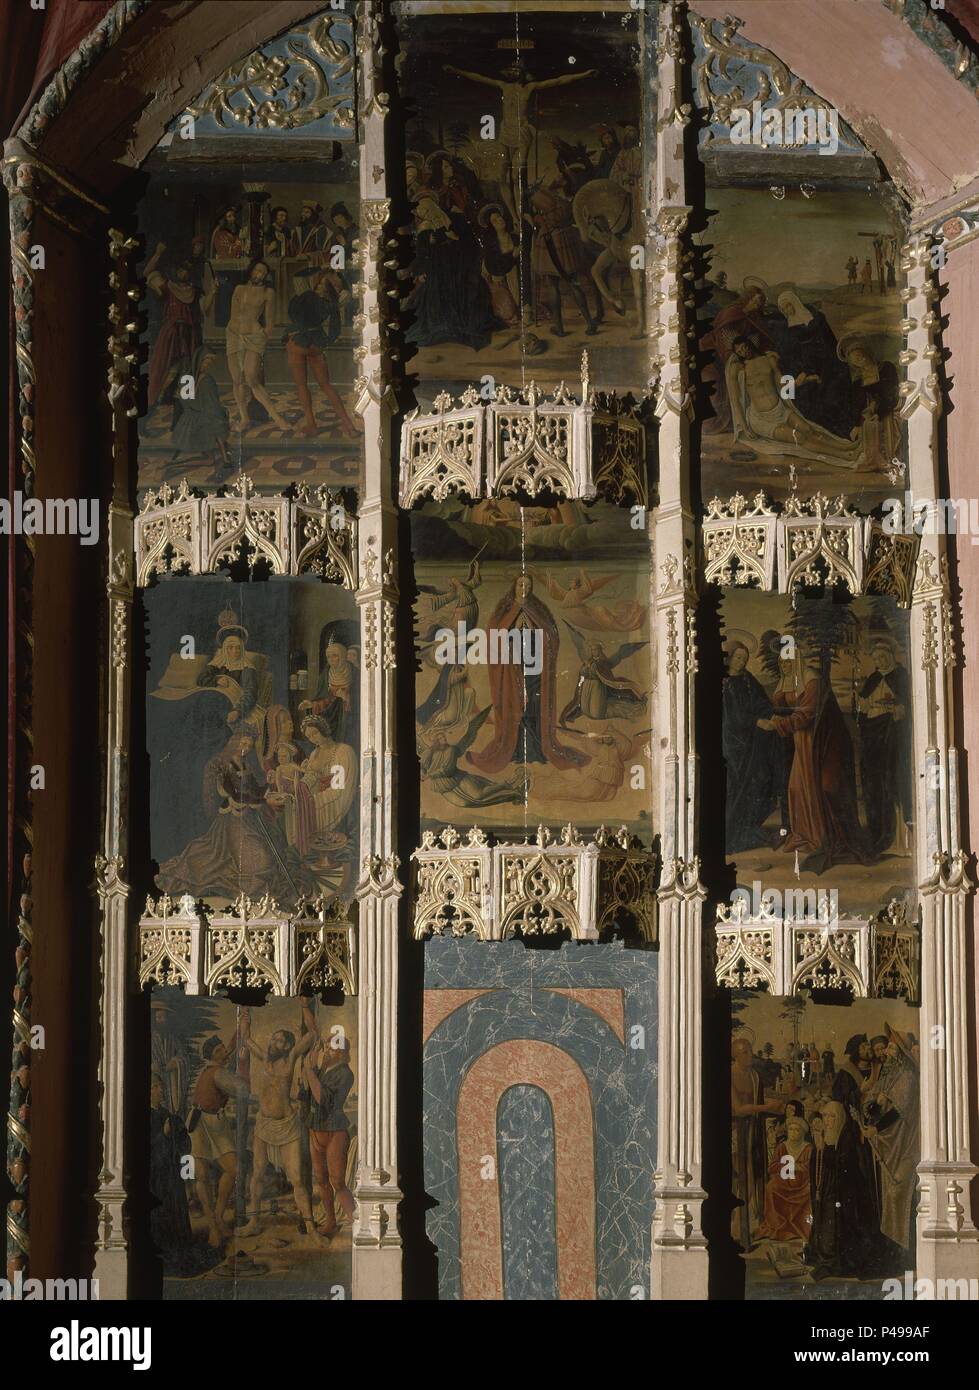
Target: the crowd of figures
(279, 803)
(500, 252)
(236, 1128)
(841, 406)
(824, 1154)
(790, 758)
(288, 282)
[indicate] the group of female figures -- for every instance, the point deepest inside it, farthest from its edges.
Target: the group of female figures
(279, 818)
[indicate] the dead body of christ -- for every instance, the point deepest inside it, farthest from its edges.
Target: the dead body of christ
(772, 425)
(278, 1124)
(516, 132)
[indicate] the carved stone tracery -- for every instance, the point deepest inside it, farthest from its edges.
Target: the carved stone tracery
(816, 541)
(546, 886)
(247, 945)
(868, 957)
(311, 533)
(525, 440)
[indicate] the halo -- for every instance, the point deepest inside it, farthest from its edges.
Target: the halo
(739, 634)
(781, 287)
(848, 341)
(743, 1032)
(437, 154)
(753, 282)
(228, 623)
(483, 216)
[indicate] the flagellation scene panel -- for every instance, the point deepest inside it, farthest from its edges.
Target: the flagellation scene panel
(250, 225)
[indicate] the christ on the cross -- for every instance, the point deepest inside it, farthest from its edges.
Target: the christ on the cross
(516, 132)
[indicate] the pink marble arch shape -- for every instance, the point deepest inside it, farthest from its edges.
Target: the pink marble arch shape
(523, 1062)
(607, 1003)
(439, 1003)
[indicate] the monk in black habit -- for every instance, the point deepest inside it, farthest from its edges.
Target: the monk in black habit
(750, 754)
(846, 1239)
(885, 765)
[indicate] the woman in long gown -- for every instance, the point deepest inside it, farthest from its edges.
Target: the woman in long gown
(788, 1196)
(823, 820)
(244, 850)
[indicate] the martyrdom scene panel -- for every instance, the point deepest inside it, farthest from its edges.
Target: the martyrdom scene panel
(535, 671)
(252, 1144)
(250, 307)
(252, 715)
(816, 732)
(824, 1145)
(802, 332)
(528, 177)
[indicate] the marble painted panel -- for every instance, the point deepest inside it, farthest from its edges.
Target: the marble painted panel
(555, 731)
(252, 1144)
(824, 1144)
(539, 1107)
(528, 172)
(252, 708)
(816, 732)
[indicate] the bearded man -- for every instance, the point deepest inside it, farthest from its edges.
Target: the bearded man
(278, 1125)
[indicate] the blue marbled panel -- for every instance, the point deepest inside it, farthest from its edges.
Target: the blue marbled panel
(621, 1077)
(528, 1199)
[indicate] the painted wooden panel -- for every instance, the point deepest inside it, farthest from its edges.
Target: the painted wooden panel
(252, 1142)
(824, 1144)
(252, 715)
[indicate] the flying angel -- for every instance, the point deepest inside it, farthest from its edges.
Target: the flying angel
(620, 615)
(600, 693)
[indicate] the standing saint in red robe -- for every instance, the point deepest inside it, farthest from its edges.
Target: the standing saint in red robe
(823, 821)
(525, 704)
(181, 328)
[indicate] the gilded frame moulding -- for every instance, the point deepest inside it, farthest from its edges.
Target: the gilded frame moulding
(813, 541)
(871, 957)
(545, 886)
(250, 944)
(524, 440)
(313, 532)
